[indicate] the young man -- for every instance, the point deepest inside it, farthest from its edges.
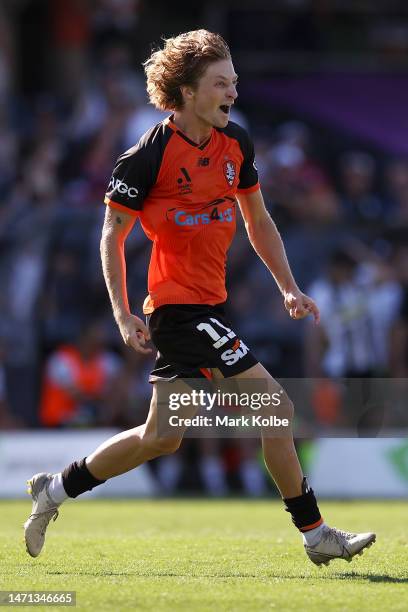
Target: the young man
(181, 180)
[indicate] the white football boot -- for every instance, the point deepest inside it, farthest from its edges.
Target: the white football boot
(43, 510)
(337, 544)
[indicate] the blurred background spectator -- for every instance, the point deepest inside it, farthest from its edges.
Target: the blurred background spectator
(79, 382)
(323, 92)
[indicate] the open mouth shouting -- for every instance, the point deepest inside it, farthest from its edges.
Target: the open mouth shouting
(225, 108)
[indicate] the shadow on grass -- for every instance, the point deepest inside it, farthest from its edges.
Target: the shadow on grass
(381, 578)
(136, 574)
(371, 577)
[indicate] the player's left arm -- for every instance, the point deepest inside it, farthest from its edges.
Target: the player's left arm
(265, 238)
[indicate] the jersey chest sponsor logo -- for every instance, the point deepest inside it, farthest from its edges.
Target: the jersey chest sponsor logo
(121, 187)
(230, 171)
(220, 210)
(184, 218)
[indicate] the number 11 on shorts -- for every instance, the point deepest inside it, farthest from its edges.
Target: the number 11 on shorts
(214, 335)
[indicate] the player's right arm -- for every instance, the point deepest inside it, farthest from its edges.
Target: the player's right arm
(134, 174)
(116, 228)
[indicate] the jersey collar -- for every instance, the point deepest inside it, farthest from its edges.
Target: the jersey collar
(170, 122)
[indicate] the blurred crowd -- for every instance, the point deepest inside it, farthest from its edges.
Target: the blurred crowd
(62, 362)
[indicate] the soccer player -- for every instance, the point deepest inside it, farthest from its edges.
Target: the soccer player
(182, 181)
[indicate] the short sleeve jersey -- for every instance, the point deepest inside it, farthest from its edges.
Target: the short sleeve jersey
(184, 195)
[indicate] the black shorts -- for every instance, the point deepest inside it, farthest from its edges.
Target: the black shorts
(191, 338)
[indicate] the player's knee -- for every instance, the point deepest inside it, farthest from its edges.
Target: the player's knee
(169, 445)
(288, 404)
(282, 407)
(286, 408)
(163, 446)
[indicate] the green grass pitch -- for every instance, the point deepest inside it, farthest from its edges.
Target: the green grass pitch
(205, 555)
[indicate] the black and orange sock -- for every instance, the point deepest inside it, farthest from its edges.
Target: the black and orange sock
(304, 509)
(77, 479)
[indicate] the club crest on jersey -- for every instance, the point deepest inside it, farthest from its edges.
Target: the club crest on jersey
(229, 171)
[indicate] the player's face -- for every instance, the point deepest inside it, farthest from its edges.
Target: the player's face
(215, 94)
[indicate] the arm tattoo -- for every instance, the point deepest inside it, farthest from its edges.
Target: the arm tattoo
(118, 220)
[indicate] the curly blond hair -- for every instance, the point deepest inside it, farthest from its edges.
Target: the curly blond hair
(182, 61)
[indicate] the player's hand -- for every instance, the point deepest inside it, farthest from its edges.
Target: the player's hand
(134, 333)
(300, 305)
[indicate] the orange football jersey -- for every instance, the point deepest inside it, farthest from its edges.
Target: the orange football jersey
(184, 195)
